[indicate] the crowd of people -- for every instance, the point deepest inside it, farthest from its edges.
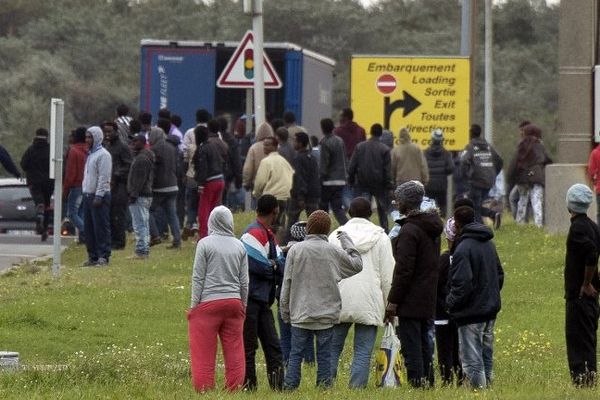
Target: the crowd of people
(164, 184)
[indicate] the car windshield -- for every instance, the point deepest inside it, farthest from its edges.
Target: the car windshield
(14, 193)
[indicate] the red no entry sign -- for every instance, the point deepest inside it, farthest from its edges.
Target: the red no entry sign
(386, 84)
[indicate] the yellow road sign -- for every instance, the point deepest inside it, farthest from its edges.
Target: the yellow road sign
(419, 93)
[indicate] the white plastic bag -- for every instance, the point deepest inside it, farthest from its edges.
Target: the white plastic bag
(388, 362)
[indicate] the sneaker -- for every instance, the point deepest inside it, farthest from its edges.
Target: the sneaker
(102, 262)
(186, 233)
(89, 263)
(174, 246)
(154, 241)
(497, 220)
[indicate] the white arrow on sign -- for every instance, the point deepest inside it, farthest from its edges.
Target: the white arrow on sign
(239, 71)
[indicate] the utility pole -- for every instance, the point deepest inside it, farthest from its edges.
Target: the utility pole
(57, 110)
(256, 7)
(468, 47)
(489, 75)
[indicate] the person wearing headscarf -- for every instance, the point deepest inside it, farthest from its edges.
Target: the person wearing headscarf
(527, 171)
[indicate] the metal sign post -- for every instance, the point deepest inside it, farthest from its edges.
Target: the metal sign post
(259, 78)
(57, 110)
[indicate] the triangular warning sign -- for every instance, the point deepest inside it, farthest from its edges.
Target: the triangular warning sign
(239, 71)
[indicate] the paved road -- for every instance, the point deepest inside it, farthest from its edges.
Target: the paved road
(18, 249)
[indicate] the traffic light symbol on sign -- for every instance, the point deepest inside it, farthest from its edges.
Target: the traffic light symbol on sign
(249, 63)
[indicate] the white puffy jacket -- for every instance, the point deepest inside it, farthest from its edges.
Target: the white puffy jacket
(364, 294)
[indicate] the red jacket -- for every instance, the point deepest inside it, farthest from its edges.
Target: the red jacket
(75, 166)
(352, 134)
(594, 168)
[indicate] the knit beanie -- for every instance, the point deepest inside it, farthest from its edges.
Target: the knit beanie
(437, 135)
(298, 231)
(579, 198)
(319, 223)
(410, 194)
(450, 229)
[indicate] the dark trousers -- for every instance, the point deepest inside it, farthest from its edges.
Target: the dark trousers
(440, 200)
(416, 338)
(581, 324)
(260, 325)
(331, 196)
(118, 214)
(477, 195)
(96, 222)
(446, 341)
(295, 208)
(382, 201)
(41, 194)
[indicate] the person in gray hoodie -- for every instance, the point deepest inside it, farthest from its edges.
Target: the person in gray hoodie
(310, 297)
(96, 199)
(219, 297)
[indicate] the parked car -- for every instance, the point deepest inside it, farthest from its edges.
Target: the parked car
(17, 209)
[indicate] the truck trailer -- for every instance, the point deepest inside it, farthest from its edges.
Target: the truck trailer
(182, 75)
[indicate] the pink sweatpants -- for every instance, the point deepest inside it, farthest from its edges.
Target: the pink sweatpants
(224, 318)
(211, 196)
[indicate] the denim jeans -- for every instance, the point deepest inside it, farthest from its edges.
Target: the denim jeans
(382, 200)
(364, 340)
(75, 210)
(140, 218)
(476, 348)
(285, 337)
(168, 203)
(416, 337)
(96, 221)
(301, 339)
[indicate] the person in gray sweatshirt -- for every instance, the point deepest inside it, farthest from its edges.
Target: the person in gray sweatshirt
(96, 199)
(219, 297)
(310, 297)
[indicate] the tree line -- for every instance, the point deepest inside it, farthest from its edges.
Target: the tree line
(87, 52)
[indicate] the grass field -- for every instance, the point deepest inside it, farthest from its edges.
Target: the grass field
(121, 332)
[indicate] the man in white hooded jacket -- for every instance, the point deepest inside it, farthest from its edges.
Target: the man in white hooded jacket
(364, 294)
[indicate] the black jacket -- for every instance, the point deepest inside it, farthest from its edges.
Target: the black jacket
(583, 247)
(442, 287)
(370, 166)
(208, 163)
(165, 161)
(36, 163)
(121, 160)
(306, 177)
(417, 254)
(180, 169)
(333, 160)
(234, 172)
(476, 277)
(7, 162)
(440, 164)
(141, 175)
(480, 164)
